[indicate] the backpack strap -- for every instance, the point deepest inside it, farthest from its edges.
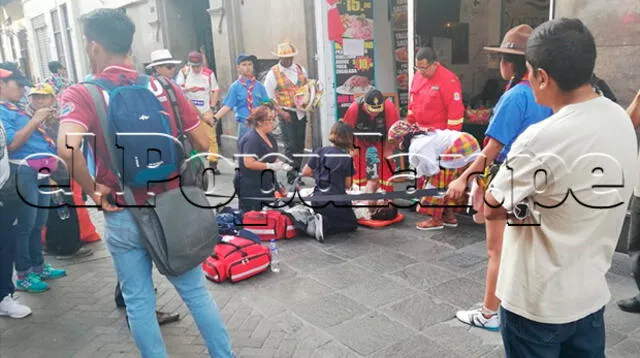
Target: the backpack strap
(173, 99)
(101, 112)
(142, 80)
(102, 83)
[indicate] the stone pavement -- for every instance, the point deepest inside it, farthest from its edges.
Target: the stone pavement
(373, 293)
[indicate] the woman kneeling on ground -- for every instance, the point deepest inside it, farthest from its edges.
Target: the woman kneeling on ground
(259, 149)
(332, 168)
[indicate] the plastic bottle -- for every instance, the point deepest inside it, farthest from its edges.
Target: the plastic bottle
(62, 209)
(275, 260)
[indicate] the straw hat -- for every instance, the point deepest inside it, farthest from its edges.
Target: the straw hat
(285, 50)
(162, 57)
(515, 41)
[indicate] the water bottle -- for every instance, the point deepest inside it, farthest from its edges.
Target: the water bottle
(62, 210)
(275, 260)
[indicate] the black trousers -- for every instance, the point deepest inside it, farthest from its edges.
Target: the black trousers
(337, 220)
(633, 244)
(294, 136)
(7, 242)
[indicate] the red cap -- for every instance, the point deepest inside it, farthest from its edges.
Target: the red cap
(5, 73)
(195, 58)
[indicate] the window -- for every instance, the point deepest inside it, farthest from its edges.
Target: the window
(57, 37)
(41, 43)
(69, 35)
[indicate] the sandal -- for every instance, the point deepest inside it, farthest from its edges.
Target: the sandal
(431, 224)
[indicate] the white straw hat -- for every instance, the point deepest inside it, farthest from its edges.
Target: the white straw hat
(162, 57)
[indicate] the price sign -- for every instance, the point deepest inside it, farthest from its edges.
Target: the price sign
(354, 74)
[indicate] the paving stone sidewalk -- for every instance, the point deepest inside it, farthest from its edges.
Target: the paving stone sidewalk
(372, 293)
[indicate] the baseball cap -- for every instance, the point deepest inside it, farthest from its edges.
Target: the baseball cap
(374, 101)
(195, 58)
(42, 88)
(10, 71)
(245, 57)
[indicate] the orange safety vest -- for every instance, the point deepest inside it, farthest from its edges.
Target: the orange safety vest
(285, 89)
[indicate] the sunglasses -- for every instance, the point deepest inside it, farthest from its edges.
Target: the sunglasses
(170, 67)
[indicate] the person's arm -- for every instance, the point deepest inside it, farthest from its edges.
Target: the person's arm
(214, 96)
(222, 112)
(270, 84)
(457, 187)
(392, 115)
(452, 98)
(180, 80)
(515, 181)
(351, 116)
(18, 138)
(229, 103)
(411, 116)
(307, 171)
(348, 182)
(69, 143)
(634, 111)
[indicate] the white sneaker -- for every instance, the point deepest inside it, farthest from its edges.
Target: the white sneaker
(475, 318)
(319, 229)
(9, 306)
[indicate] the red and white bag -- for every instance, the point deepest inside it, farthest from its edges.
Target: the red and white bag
(236, 258)
(269, 225)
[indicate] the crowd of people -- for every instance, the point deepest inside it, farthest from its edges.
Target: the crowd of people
(545, 282)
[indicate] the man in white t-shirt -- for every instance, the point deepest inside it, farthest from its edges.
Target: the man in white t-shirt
(201, 88)
(576, 170)
(632, 305)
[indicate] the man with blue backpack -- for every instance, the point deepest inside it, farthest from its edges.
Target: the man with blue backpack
(148, 164)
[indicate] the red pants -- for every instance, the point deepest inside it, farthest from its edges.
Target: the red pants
(385, 171)
(88, 231)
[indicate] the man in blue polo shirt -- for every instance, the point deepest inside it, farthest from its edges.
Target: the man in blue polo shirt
(244, 95)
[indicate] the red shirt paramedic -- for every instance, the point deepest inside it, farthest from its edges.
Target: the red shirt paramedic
(435, 99)
(371, 113)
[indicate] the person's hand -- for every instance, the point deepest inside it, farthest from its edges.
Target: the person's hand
(275, 166)
(42, 115)
(456, 189)
(210, 118)
(285, 116)
(100, 196)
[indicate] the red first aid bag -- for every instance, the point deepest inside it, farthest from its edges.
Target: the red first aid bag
(269, 225)
(236, 258)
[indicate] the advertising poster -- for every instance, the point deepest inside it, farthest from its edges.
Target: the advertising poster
(399, 24)
(354, 59)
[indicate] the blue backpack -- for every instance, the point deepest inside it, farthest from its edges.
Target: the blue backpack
(134, 108)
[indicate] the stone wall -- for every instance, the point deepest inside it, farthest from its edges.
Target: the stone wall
(615, 25)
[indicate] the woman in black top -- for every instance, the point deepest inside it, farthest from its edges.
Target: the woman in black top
(256, 174)
(333, 170)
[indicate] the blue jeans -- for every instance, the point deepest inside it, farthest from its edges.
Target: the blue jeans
(31, 219)
(524, 338)
(243, 128)
(133, 267)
